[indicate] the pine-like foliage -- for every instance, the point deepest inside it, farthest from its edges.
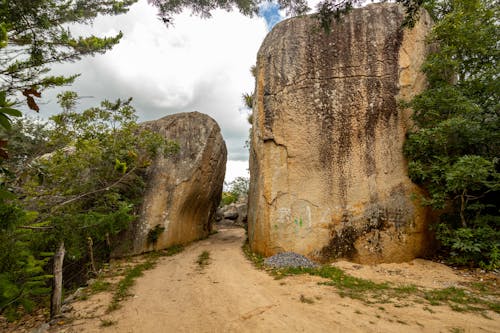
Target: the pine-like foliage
(34, 34)
(22, 276)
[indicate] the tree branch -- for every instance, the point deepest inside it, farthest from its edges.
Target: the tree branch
(34, 228)
(107, 188)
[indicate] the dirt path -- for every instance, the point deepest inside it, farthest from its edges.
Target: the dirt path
(230, 295)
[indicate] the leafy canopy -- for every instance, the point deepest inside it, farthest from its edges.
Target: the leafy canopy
(34, 34)
(454, 149)
(89, 186)
(235, 190)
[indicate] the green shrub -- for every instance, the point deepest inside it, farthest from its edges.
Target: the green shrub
(228, 198)
(23, 280)
(155, 233)
(86, 192)
(235, 189)
(454, 149)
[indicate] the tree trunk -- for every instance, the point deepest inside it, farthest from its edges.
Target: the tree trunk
(91, 254)
(462, 208)
(56, 299)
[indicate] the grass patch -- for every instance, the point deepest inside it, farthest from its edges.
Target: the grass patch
(107, 322)
(127, 282)
(165, 252)
(405, 290)
(460, 300)
(479, 298)
(100, 286)
(256, 259)
(347, 285)
(132, 273)
(171, 251)
(479, 286)
(203, 259)
(457, 330)
(494, 306)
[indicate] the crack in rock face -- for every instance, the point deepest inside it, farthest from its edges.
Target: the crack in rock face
(328, 176)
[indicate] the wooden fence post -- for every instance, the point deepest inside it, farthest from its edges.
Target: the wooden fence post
(56, 299)
(91, 254)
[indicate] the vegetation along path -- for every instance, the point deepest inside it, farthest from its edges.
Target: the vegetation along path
(212, 287)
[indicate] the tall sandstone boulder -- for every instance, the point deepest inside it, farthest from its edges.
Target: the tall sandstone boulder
(328, 175)
(183, 191)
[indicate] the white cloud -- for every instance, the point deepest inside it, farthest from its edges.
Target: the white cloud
(236, 169)
(197, 64)
(312, 4)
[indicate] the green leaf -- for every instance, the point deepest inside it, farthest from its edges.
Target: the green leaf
(453, 150)
(5, 121)
(120, 166)
(6, 195)
(11, 112)
(4, 37)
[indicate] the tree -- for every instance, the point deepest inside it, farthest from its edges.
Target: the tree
(240, 186)
(81, 194)
(235, 190)
(22, 276)
(95, 170)
(454, 149)
(33, 36)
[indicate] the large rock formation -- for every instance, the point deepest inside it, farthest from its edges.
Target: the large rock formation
(328, 176)
(183, 190)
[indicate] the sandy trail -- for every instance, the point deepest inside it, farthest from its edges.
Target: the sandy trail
(230, 295)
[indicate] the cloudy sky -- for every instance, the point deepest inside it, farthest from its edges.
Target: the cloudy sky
(196, 65)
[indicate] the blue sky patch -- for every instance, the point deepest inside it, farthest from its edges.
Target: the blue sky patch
(270, 12)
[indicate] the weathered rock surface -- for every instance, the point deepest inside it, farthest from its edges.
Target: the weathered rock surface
(328, 176)
(234, 214)
(231, 213)
(183, 190)
(242, 209)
